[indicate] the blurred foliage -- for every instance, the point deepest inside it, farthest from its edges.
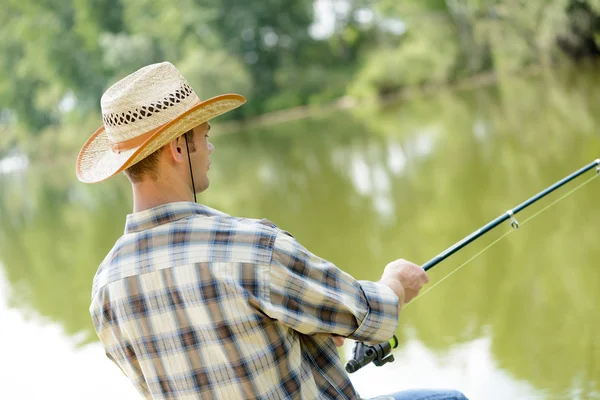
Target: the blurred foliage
(409, 63)
(361, 190)
(447, 40)
(59, 56)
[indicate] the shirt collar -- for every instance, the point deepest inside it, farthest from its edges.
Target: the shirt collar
(166, 213)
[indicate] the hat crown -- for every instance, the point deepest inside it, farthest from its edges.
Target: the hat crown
(145, 100)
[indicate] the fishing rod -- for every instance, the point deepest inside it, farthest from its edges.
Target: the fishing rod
(379, 354)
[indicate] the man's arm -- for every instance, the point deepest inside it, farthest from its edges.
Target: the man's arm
(312, 295)
(123, 356)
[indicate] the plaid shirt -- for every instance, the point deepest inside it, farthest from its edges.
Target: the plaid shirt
(193, 303)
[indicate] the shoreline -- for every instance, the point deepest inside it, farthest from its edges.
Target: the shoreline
(348, 102)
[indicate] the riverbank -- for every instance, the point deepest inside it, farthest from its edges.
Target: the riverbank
(350, 102)
(63, 142)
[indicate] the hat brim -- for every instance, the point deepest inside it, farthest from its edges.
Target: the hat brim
(97, 161)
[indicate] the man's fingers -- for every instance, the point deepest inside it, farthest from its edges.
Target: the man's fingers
(338, 340)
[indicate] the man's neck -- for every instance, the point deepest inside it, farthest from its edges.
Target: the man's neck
(150, 194)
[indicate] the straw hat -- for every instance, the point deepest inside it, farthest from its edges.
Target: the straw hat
(141, 113)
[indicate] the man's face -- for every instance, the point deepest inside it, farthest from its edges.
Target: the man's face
(200, 149)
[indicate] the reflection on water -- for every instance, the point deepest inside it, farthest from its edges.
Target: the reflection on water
(13, 163)
(362, 188)
(469, 366)
(40, 361)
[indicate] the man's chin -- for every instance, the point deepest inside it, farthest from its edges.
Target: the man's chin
(201, 188)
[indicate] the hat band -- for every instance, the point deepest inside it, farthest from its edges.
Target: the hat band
(133, 142)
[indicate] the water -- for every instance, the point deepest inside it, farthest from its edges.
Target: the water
(360, 188)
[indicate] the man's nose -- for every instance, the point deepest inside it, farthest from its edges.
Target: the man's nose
(211, 148)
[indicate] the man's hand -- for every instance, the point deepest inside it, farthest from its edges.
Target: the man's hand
(405, 279)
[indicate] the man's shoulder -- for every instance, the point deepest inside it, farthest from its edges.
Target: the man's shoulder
(279, 239)
(237, 222)
(219, 222)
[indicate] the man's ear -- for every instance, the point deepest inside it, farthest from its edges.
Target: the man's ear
(175, 149)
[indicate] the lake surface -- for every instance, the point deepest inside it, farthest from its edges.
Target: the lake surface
(360, 188)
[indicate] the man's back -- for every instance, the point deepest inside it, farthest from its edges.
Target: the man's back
(193, 303)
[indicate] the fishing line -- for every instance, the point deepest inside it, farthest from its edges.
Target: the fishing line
(380, 354)
(504, 235)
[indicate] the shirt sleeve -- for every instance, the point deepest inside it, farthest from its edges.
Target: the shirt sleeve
(124, 358)
(312, 295)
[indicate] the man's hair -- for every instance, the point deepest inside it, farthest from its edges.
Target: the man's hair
(147, 168)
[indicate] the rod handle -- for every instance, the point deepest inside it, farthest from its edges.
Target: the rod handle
(378, 354)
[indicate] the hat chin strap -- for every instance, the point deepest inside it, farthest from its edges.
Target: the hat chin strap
(190, 164)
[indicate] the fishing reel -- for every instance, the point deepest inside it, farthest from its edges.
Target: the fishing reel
(363, 354)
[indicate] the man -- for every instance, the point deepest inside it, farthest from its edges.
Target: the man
(193, 303)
